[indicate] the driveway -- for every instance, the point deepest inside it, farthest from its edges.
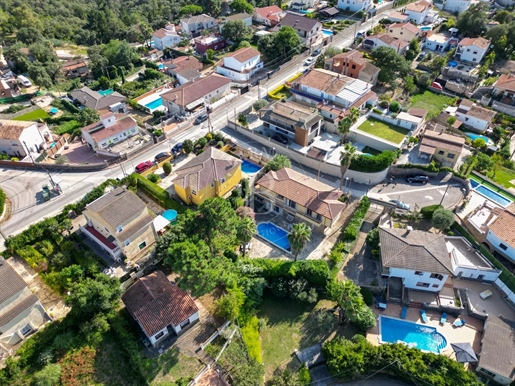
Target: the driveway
(433, 193)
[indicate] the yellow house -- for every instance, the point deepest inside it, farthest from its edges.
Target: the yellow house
(119, 223)
(445, 148)
(302, 197)
(211, 174)
(404, 31)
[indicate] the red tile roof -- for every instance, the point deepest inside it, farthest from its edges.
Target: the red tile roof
(407, 26)
(123, 123)
(156, 303)
(192, 91)
(266, 11)
(506, 83)
(100, 237)
(244, 54)
(478, 42)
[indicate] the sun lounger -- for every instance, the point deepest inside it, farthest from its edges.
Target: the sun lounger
(380, 305)
(404, 312)
(459, 323)
(423, 316)
(486, 294)
(443, 319)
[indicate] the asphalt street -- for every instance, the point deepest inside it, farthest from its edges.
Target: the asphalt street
(23, 188)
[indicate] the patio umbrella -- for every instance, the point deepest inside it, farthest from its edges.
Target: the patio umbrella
(464, 352)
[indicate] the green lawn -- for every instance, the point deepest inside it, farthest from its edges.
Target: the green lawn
(434, 103)
(493, 187)
(383, 130)
(169, 367)
(33, 115)
(504, 176)
(295, 325)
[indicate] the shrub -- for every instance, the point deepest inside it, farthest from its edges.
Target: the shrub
(351, 231)
(368, 297)
(3, 197)
(373, 238)
(220, 144)
(442, 218)
(394, 107)
(160, 195)
(188, 146)
(428, 211)
(158, 133)
(373, 164)
(167, 168)
(377, 111)
(208, 136)
(153, 178)
(218, 136)
(258, 105)
(250, 334)
(201, 142)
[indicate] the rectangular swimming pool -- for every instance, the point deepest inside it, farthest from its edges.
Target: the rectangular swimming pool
(489, 193)
(155, 104)
(275, 235)
(426, 338)
(249, 167)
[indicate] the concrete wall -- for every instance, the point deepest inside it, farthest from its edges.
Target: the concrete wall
(509, 293)
(367, 178)
(374, 142)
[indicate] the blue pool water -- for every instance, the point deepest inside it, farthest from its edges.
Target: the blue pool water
(426, 28)
(327, 32)
(53, 110)
(53, 144)
(161, 66)
(304, 12)
(106, 92)
(170, 215)
(501, 200)
(155, 104)
(416, 335)
(452, 63)
(249, 168)
(473, 136)
(274, 234)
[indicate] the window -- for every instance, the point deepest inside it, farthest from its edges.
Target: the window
(401, 32)
(292, 204)
(353, 66)
(159, 335)
(420, 284)
(15, 144)
(451, 156)
(436, 276)
(280, 197)
(142, 245)
(474, 60)
(194, 192)
(126, 243)
(435, 286)
(309, 212)
(486, 372)
(107, 230)
(318, 217)
(503, 247)
(222, 180)
(468, 49)
(441, 152)
(26, 330)
(212, 184)
(475, 52)
(119, 229)
(419, 273)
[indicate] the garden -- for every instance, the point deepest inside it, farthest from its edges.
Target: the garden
(383, 130)
(33, 116)
(432, 102)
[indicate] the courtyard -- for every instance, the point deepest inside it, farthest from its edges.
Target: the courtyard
(383, 130)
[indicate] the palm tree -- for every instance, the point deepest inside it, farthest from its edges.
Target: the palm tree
(298, 238)
(245, 229)
(346, 158)
(346, 123)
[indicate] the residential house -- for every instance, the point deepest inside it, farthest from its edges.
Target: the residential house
(299, 5)
(241, 64)
(190, 96)
(268, 16)
(297, 121)
(159, 307)
(95, 100)
(404, 31)
(384, 40)
(418, 11)
(472, 49)
(213, 173)
(424, 260)
(352, 64)
(505, 86)
(302, 197)
(211, 42)
(244, 17)
(119, 223)
(354, 5)
(166, 37)
(454, 6)
(495, 228)
(18, 138)
(153, 55)
(329, 12)
(492, 24)
(475, 117)
(497, 355)
(309, 30)
(333, 94)
(183, 68)
(193, 25)
(437, 42)
(109, 131)
(21, 312)
(445, 148)
(398, 17)
(8, 89)
(77, 68)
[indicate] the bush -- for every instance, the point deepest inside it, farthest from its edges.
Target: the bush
(3, 197)
(250, 335)
(351, 231)
(153, 178)
(394, 107)
(373, 164)
(160, 195)
(167, 168)
(368, 296)
(373, 238)
(220, 144)
(201, 142)
(258, 105)
(428, 211)
(188, 146)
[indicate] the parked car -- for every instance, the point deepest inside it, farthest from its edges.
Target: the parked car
(421, 56)
(177, 147)
(316, 52)
(400, 204)
(437, 86)
(141, 167)
(418, 178)
(162, 156)
(309, 61)
(201, 118)
(280, 138)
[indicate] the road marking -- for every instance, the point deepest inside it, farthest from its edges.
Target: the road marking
(421, 189)
(428, 197)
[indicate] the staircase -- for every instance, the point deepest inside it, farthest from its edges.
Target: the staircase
(395, 290)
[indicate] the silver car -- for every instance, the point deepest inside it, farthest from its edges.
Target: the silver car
(400, 204)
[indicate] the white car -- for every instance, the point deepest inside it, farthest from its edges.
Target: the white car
(309, 61)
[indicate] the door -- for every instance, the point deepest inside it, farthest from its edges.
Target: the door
(481, 277)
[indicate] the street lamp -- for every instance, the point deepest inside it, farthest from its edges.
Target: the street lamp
(273, 151)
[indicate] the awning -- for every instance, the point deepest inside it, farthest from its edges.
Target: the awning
(160, 223)
(464, 352)
(427, 149)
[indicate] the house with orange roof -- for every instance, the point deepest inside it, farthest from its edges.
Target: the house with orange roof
(166, 37)
(472, 49)
(385, 40)
(268, 16)
(241, 64)
(352, 64)
(404, 31)
(418, 11)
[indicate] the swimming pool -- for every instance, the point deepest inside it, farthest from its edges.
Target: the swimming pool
(327, 32)
(452, 63)
(161, 66)
(426, 338)
(249, 167)
(106, 92)
(489, 193)
(170, 215)
(154, 104)
(426, 28)
(275, 235)
(473, 136)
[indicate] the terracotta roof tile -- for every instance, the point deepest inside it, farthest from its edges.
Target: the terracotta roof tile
(192, 91)
(301, 23)
(267, 11)
(504, 227)
(156, 303)
(244, 54)
(443, 141)
(99, 132)
(12, 129)
(478, 42)
(481, 113)
(506, 82)
(305, 191)
(407, 26)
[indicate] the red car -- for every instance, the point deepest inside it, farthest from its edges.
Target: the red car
(143, 166)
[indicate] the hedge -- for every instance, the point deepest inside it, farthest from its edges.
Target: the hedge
(506, 276)
(2, 201)
(432, 168)
(373, 164)
(159, 194)
(428, 211)
(250, 335)
(316, 272)
(351, 231)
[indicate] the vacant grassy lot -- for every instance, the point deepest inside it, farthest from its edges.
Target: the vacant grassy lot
(295, 325)
(33, 115)
(504, 176)
(434, 103)
(169, 367)
(383, 130)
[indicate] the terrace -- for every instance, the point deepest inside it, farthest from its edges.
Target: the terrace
(383, 130)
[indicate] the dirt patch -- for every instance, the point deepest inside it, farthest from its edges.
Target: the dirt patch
(53, 302)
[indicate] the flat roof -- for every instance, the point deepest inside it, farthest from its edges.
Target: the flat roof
(465, 254)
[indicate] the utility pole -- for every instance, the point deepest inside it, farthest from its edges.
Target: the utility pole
(444, 194)
(28, 152)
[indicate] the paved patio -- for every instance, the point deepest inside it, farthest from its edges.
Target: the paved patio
(471, 332)
(78, 153)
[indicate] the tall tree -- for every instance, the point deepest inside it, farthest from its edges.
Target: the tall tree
(442, 219)
(346, 123)
(278, 162)
(472, 22)
(298, 238)
(287, 41)
(245, 229)
(39, 76)
(236, 31)
(393, 66)
(240, 6)
(212, 7)
(409, 85)
(190, 9)
(346, 158)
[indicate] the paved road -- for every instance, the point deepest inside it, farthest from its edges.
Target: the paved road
(23, 187)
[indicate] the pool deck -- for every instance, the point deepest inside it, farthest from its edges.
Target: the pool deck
(468, 333)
